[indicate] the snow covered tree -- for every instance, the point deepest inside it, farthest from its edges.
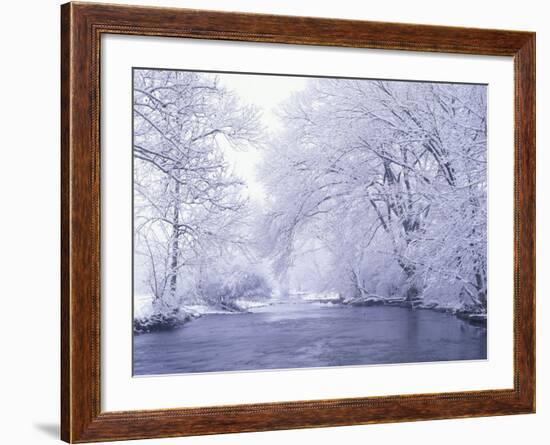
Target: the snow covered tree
(188, 204)
(385, 173)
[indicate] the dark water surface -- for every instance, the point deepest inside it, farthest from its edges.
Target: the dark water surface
(307, 335)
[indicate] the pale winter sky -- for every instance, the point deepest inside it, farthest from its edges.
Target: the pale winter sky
(266, 92)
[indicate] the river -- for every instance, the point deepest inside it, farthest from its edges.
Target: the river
(304, 335)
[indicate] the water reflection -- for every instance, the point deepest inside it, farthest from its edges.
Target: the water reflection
(309, 335)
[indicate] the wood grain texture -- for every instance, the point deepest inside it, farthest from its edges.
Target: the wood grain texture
(81, 28)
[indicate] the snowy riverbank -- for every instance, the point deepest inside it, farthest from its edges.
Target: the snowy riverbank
(470, 314)
(147, 318)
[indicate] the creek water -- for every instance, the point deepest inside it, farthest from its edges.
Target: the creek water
(303, 335)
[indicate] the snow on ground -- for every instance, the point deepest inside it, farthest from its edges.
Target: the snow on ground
(318, 296)
(251, 304)
(202, 309)
(143, 307)
(243, 304)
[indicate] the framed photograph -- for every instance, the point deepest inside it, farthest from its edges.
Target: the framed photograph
(274, 222)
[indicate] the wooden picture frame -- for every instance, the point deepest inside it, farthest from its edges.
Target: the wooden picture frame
(82, 25)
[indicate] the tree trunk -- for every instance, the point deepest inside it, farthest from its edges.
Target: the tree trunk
(175, 242)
